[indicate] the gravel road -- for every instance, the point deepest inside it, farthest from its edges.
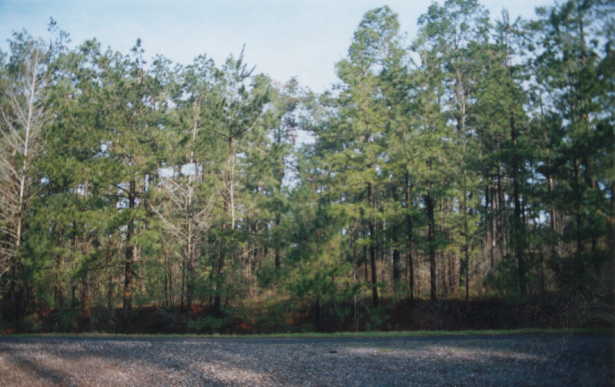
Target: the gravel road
(508, 360)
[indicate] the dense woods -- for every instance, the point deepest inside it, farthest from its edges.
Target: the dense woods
(463, 172)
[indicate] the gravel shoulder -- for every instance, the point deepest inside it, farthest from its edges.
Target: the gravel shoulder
(473, 360)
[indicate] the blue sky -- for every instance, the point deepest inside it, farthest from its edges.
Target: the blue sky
(283, 38)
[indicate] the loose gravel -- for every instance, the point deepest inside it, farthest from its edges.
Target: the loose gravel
(507, 360)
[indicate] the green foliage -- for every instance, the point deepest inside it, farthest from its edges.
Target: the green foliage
(61, 320)
(476, 160)
(377, 319)
(503, 279)
(207, 324)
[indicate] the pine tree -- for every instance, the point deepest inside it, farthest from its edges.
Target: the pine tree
(359, 164)
(574, 42)
(24, 117)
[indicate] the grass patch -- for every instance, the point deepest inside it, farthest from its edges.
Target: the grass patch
(307, 335)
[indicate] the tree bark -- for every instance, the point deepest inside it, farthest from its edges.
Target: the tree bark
(431, 229)
(129, 253)
(372, 247)
(518, 223)
(409, 239)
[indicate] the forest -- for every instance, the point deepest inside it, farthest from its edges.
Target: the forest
(460, 178)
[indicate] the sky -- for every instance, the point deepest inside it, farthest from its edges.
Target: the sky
(283, 38)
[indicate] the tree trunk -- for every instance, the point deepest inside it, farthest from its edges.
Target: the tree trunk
(518, 223)
(86, 303)
(431, 230)
(466, 240)
(129, 254)
(229, 209)
(110, 305)
(372, 247)
(58, 290)
(409, 234)
(276, 244)
(396, 253)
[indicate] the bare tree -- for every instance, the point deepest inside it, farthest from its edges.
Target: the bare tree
(186, 213)
(22, 118)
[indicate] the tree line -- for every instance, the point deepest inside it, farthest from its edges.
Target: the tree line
(473, 160)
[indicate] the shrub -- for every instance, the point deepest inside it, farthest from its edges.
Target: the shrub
(208, 324)
(61, 320)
